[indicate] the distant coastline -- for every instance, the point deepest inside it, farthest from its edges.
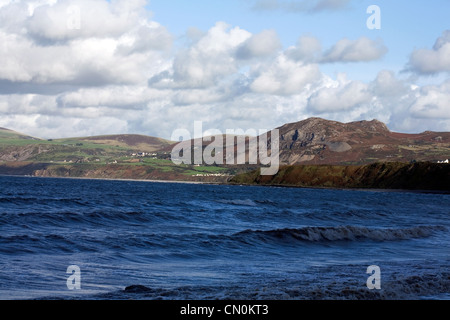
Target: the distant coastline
(390, 176)
(110, 179)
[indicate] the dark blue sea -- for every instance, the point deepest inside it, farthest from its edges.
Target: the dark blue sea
(171, 241)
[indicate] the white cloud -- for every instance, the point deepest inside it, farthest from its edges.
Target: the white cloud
(115, 44)
(13, 16)
(284, 76)
(425, 61)
(121, 97)
(71, 19)
(259, 45)
(51, 122)
(308, 49)
(387, 85)
(23, 104)
(363, 49)
(339, 95)
(83, 62)
(433, 102)
(210, 59)
(63, 126)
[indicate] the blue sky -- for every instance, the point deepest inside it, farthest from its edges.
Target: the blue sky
(90, 67)
(406, 25)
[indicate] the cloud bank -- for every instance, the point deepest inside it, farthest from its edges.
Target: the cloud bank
(90, 67)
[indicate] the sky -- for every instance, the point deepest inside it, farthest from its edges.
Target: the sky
(73, 68)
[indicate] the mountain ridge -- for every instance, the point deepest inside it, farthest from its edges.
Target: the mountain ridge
(310, 141)
(320, 141)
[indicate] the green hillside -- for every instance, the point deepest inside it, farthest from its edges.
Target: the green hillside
(109, 156)
(10, 137)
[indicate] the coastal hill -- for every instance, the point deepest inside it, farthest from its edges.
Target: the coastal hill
(319, 141)
(132, 141)
(13, 135)
(311, 141)
(121, 156)
(16, 146)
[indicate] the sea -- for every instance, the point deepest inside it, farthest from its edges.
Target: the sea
(78, 239)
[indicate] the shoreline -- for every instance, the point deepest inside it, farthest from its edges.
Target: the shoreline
(341, 188)
(445, 192)
(110, 179)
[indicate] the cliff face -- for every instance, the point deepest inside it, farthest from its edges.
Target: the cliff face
(392, 175)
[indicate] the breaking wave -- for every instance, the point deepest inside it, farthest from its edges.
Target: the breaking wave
(342, 233)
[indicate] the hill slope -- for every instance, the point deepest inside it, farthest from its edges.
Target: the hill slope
(131, 141)
(7, 134)
(311, 141)
(19, 147)
(319, 141)
(106, 157)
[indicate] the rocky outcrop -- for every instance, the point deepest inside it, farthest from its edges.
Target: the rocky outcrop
(320, 141)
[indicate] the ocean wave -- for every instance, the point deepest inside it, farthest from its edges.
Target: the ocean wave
(36, 244)
(239, 202)
(267, 201)
(45, 217)
(41, 200)
(399, 288)
(341, 233)
(17, 199)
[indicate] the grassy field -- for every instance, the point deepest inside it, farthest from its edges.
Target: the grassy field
(84, 157)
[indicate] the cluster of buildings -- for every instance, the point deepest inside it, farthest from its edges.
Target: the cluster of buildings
(210, 175)
(144, 154)
(445, 161)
